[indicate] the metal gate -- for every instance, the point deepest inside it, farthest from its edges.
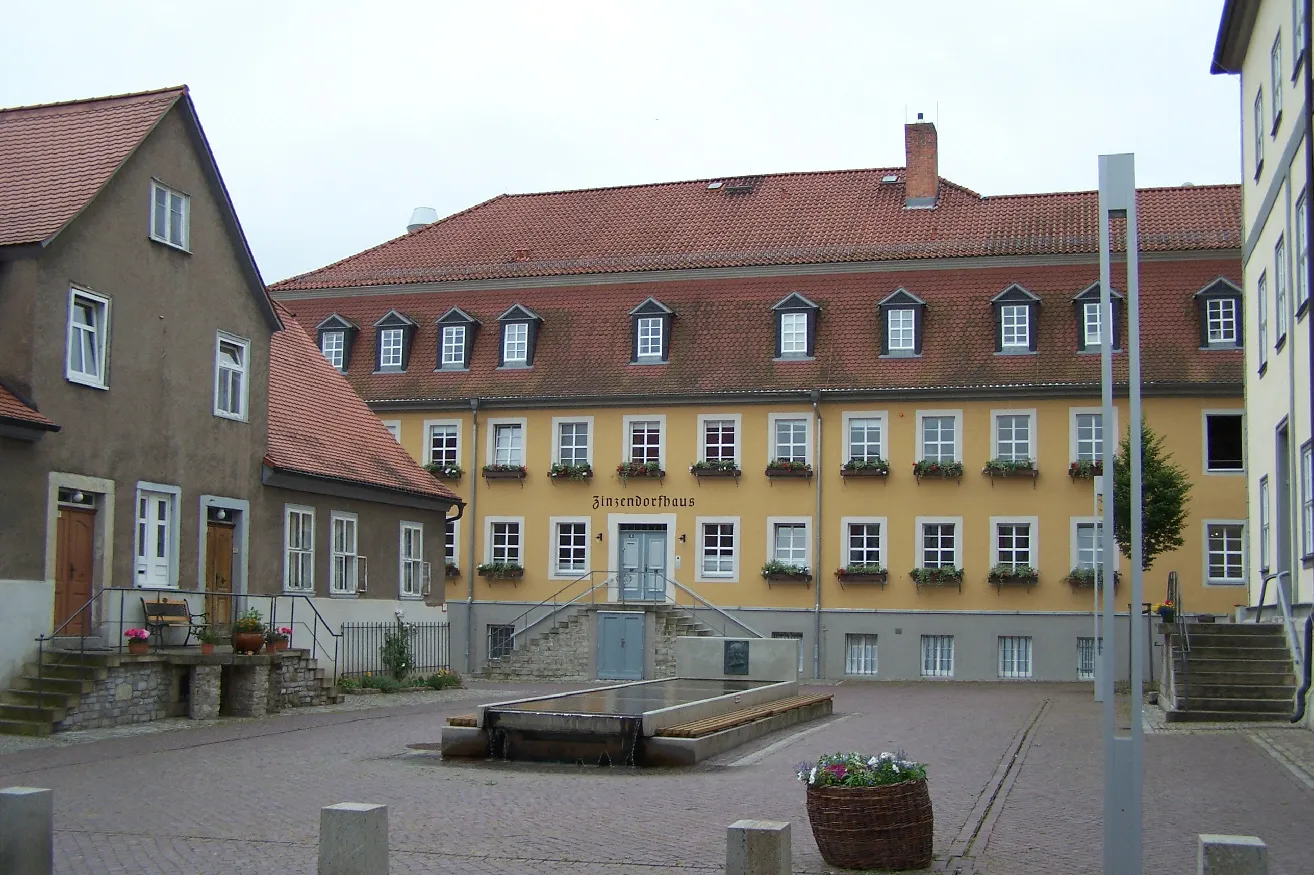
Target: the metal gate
(620, 645)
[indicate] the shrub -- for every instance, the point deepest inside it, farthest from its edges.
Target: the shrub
(348, 683)
(442, 680)
(381, 683)
(395, 653)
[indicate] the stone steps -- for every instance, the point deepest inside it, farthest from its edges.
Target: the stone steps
(1232, 672)
(23, 727)
(32, 714)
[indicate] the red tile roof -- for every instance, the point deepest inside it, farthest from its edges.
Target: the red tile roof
(788, 218)
(320, 427)
(723, 335)
(55, 158)
(14, 410)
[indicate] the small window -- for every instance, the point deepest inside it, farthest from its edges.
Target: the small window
(444, 444)
(1298, 33)
(1261, 302)
(1264, 527)
(1280, 291)
(1013, 437)
(504, 542)
(508, 444)
(796, 326)
(1259, 132)
(394, 428)
(1013, 544)
(792, 636)
(1090, 549)
(345, 559)
(391, 343)
(939, 542)
(572, 548)
(155, 538)
(645, 441)
(501, 640)
(88, 338)
(412, 559)
(299, 543)
(1307, 499)
(1085, 659)
(230, 376)
(790, 544)
(718, 550)
(1090, 322)
(865, 439)
(1014, 321)
(902, 330)
(1220, 316)
(1225, 449)
(719, 440)
(515, 343)
(1090, 437)
(793, 334)
(1014, 656)
(938, 439)
(790, 437)
(1275, 63)
(1226, 546)
(937, 656)
(573, 443)
(651, 332)
(334, 344)
(1300, 279)
(650, 337)
(864, 544)
(453, 347)
(449, 543)
(170, 216)
(860, 654)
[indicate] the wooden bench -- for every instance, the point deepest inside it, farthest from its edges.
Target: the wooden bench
(165, 613)
(463, 720)
(708, 725)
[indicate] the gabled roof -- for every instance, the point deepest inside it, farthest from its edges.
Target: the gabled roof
(519, 313)
(1092, 293)
(457, 315)
(333, 320)
(651, 306)
(1014, 292)
(394, 318)
(15, 411)
(794, 301)
(1220, 288)
(786, 219)
(319, 427)
(900, 297)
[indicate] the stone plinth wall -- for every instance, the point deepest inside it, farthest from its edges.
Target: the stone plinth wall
(134, 692)
(298, 682)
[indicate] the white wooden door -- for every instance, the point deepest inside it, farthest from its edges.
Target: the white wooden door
(154, 539)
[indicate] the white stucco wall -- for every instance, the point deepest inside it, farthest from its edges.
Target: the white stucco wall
(28, 606)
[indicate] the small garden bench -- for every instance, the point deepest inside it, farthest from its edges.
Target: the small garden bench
(165, 613)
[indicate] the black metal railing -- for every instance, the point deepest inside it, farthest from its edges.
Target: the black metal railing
(384, 648)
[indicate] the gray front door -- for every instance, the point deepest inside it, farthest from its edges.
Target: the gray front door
(643, 563)
(620, 646)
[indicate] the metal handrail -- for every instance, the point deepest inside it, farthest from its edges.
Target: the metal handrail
(1284, 602)
(747, 628)
(556, 609)
(552, 599)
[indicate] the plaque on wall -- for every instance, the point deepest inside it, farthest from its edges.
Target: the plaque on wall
(736, 657)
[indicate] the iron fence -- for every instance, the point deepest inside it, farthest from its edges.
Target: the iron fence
(376, 647)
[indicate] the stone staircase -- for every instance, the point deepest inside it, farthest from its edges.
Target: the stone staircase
(564, 652)
(1232, 672)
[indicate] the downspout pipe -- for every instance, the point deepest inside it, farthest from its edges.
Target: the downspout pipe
(471, 533)
(816, 540)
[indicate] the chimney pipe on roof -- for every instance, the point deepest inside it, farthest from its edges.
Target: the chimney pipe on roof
(421, 217)
(922, 175)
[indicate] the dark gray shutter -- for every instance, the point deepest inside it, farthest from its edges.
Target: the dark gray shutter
(1240, 325)
(919, 328)
(378, 349)
(776, 315)
(1115, 327)
(999, 326)
(1079, 311)
(531, 341)
(634, 338)
(501, 344)
(883, 329)
(469, 344)
(812, 332)
(1203, 304)
(408, 334)
(1033, 326)
(666, 338)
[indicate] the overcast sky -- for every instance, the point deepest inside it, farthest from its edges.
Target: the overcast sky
(332, 120)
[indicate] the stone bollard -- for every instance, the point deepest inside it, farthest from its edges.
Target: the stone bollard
(26, 831)
(1232, 855)
(353, 839)
(758, 847)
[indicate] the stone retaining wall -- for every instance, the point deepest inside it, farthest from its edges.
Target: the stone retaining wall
(135, 692)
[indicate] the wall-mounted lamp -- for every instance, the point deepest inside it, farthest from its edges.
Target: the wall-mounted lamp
(684, 539)
(599, 536)
(221, 514)
(78, 497)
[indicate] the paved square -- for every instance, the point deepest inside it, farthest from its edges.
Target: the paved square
(1015, 770)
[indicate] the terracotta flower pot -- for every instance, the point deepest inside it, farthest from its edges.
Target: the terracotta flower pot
(278, 644)
(139, 646)
(248, 642)
(206, 649)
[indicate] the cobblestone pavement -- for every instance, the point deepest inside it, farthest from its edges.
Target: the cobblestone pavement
(1016, 775)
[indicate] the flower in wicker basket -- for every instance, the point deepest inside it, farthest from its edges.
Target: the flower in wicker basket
(870, 812)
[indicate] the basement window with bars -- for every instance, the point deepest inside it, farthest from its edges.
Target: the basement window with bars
(500, 642)
(1014, 656)
(860, 654)
(1085, 659)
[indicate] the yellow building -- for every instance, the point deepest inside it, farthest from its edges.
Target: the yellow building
(708, 358)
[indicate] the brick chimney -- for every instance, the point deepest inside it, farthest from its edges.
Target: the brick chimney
(922, 177)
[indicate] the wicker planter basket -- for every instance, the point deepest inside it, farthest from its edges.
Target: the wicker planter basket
(888, 827)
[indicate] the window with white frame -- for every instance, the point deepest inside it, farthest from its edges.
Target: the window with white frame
(412, 559)
(391, 341)
(573, 442)
(860, 654)
(1090, 547)
(865, 438)
(864, 544)
(938, 439)
(1275, 69)
(790, 437)
(333, 344)
(1014, 656)
(1013, 544)
(515, 343)
(444, 444)
(1090, 436)
(1307, 499)
(719, 440)
(1014, 322)
(1091, 320)
(345, 566)
(449, 543)
(1280, 290)
(1300, 280)
(299, 547)
(792, 636)
(1264, 527)
(1261, 302)
(394, 428)
(939, 545)
(793, 334)
(155, 536)
(508, 444)
(1085, 659)
(231, 368)
(718, 549)
(453, 346)
(1226, 546)
(1259, 131)
(645, 440)
(88, 338)
(572, 548)
(504, 542)
(1013, 437)
(1220, 314)
(937, 656)
(901, 327)
(789, 543)
(170, 216)
(650, 337)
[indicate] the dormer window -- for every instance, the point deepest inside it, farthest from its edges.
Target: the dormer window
(519, 337)
(335, 337)
(652, 332)
(796, 327)
(903, 318)
(394, 333)
(456, 330)
(1090, 320)
(1015, 320)
(1220, 315)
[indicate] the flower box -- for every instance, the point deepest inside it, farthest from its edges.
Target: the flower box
(1085, 577)
(787, 577)
(504, 472)
(715, 469)
(937, 577)
(1085, 470)
(1023, 575)
(1010, 468)
(451, 571)
(445, 472)
(879, 578)
(501, 571)
(626, 470)
(865, 468)
(788, 468)
(559, 471)
(944, 470)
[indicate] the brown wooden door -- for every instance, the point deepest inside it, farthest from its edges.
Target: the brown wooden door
(75, 538)
(218, 573)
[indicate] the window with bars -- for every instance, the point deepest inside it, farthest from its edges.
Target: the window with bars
(299, 546)
(860, 654)
(938, 542)
(1013, 544)
(501, 640)
(650, 337)
(901, 326)
(1220, 316)
(412, 559)
(1280, 290)
(1226, 545)
(170, 216)
(937, 656)
(789, 543)
(1014, 323)
(938, 444)
(719, 440)
(1014, 656)
(793, 334)
(1307, 499)
(515, 343)
(334, 346)
(572, 548)
(391, 341)
(864, 547)
(1090, 551)
(793, 636)
(1013, 437)
(504, 543)
(1264, 528)
(230, 377)
(1090, 437)
(864, 439)
(508, 444)
(1086, 659)
(344, 558)
(645, 441)
(718, 549)
(453, 346)
(88, 337)
(444, 444)
(573, 443)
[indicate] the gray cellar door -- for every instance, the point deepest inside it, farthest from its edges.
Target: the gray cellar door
(620, 646)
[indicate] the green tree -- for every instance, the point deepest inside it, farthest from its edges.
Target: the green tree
(1165, 494)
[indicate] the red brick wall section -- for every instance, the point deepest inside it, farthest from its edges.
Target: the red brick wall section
(919, 141)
